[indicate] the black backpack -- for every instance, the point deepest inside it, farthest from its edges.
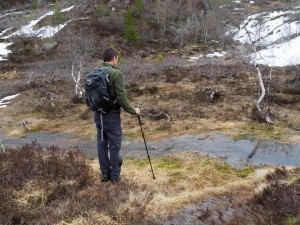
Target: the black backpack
(96, 91)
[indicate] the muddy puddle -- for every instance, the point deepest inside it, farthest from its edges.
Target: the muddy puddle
(239, 153)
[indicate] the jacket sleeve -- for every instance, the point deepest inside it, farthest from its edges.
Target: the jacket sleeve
(119, 89)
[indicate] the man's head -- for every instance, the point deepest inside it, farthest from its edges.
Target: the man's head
(110, 55)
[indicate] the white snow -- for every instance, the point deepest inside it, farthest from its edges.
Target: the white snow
(215, 54)
(4, 31)
(44, 32)
(284, 54)
(10, 13)
(4, 101)
(274, 31)
(273, 28)
(4, 51)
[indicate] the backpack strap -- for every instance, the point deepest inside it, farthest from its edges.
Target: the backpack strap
(109, 69)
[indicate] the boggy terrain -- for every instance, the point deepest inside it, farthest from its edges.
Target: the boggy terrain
(179, 96)
(54, 186)
(189, 188)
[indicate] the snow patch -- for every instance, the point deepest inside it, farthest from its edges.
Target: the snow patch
(44, 32)
(4, 51)
(5, 101)
(283, 54)
(215, 54)
(267, 28)
(278, 32)
(4, 31)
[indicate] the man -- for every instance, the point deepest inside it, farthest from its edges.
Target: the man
(109, 132)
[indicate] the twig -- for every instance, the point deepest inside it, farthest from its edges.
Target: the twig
(24, 125)
(148, 114)
(77, 80)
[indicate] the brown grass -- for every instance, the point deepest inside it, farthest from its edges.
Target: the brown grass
(58, 187)
(51, 186)
(11, 75)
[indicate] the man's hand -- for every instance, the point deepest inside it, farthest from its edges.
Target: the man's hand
(138, 111)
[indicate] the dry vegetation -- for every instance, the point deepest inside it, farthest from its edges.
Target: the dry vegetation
(156, 71)
(52, 186)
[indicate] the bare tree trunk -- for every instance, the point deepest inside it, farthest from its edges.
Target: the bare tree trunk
(265, 115)
(262, 89)
(78, 88)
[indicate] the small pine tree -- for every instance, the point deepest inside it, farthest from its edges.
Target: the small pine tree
(130, 33)
(139, 5)
(35, 4)
(103, 9)
(58, 15)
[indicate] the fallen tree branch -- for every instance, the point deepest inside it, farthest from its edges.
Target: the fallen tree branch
(159, 115)
(24, 125)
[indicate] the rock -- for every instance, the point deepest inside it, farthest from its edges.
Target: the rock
(50, 45)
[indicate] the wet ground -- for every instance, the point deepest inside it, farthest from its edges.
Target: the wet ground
(239, 153)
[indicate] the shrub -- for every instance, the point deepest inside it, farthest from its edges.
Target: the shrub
(130, 32)
(55, 186)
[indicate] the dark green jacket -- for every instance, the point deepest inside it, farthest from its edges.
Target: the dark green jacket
(117, 89)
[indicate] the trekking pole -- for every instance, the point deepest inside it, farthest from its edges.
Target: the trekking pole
(146, 145)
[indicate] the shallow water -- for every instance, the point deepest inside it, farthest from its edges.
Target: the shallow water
(239, 153)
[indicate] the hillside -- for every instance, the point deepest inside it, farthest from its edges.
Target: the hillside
(193, 66)
(176, 78)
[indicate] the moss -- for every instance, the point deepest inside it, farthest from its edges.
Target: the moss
(177, 175)
(142, 162)
(169, 163)
(159, 58)
(291, 220)
(207, 162)
(224, 168)
(245, 172)
(262, 130)
(136, 162)
(38, 127)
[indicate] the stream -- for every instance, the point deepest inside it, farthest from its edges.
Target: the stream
(238, 153)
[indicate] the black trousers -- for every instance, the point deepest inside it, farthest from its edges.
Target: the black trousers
(109, 138)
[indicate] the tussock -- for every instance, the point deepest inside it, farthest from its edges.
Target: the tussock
(52, 186)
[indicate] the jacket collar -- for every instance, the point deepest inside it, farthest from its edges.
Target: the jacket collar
(108, 65)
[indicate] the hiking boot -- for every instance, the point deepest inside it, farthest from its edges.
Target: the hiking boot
(105, 178)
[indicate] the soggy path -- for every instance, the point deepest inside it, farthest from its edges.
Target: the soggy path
(238, 153)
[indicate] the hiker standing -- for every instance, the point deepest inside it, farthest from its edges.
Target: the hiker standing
(109, 132)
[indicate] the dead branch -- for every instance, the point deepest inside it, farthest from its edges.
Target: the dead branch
(78, 88)
(264, 115)
(49, 81)
(215, 94)
(24, 125)
(30, 78)
(156, 115)
(49, 96)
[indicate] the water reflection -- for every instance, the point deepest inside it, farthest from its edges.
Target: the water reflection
(238, 153)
